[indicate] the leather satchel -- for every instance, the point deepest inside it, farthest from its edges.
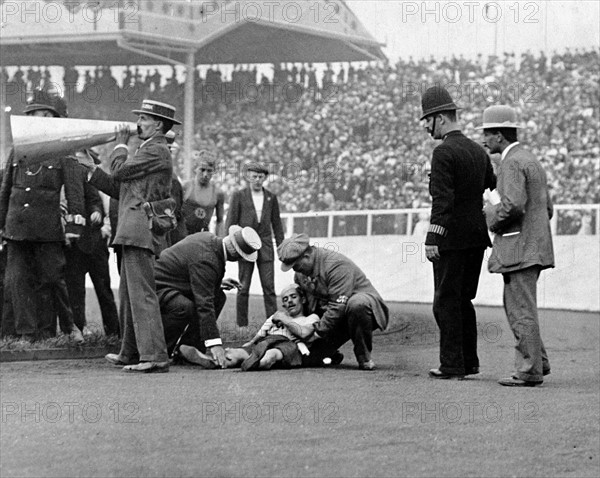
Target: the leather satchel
(161, 215)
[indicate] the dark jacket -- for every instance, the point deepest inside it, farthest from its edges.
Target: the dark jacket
(143, 178)
(243, 213)
(461, 171)
(30, 199)
(335, 279)
(194, 267)
(91, 236)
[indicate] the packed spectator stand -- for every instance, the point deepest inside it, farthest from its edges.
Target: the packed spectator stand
(349, 138)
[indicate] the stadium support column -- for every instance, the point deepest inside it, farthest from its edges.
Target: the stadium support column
(188, 122)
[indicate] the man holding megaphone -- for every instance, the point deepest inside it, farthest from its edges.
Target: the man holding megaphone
(30, 220)
(142, 184)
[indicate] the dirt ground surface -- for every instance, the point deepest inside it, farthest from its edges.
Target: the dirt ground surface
(69, 418)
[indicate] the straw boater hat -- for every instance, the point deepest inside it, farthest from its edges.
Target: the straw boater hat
(499, 116)
(246, 242)
(160, 110)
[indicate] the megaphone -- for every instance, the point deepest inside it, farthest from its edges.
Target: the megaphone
(39, 138)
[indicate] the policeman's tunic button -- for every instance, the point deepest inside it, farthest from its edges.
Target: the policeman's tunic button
(27, 189)
(26, 205)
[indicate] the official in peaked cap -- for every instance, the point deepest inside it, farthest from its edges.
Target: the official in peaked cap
(46, 100)
(31, 220)
(291, 249)
(339, 292)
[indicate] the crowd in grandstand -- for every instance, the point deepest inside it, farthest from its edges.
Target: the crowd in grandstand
(351, 139)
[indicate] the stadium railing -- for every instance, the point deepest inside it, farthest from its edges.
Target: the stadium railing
(568, 219)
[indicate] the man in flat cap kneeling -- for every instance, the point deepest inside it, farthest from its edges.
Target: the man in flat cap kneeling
(338, 291)
(189, 285)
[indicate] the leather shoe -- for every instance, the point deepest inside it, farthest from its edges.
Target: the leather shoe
(472, 371)
(193, 355)
(516, 382)
(437, 373)
(368, 365)
(117, 359)
(148, 367)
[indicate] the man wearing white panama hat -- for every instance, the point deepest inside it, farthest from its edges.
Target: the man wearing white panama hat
(189, 282)
(523, 241)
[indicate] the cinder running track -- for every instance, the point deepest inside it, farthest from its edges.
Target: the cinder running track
(86, 418)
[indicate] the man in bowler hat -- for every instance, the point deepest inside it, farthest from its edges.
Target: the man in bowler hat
(457, 236)
(522, 241)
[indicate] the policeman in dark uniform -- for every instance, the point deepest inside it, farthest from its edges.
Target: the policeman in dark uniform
(30, 217)
(457, 237)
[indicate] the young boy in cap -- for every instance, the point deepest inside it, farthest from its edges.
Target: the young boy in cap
(257, 207)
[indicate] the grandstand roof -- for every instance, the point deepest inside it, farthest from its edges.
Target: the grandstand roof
(148, 32)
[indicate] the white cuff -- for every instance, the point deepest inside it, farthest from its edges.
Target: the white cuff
(213, 342)
(121, 145)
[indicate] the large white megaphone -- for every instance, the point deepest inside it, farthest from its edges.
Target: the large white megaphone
(38, 138)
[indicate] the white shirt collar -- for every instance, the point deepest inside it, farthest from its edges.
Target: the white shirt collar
(508, 148)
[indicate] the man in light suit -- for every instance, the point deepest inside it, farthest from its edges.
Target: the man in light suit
(258, 208)
(523, 242)
(143, 177)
